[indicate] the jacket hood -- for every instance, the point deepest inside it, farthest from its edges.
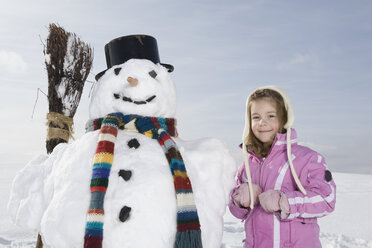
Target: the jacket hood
(287, 126)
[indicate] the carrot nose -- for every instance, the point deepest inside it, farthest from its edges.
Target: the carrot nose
(132, 81)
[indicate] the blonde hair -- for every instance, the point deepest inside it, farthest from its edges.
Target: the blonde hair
(254, 144)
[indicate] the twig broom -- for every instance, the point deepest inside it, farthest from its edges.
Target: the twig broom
(68, 61)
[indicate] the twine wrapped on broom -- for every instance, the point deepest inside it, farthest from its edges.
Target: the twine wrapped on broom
(68, 61)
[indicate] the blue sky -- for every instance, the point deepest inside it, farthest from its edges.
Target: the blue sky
(319, 52)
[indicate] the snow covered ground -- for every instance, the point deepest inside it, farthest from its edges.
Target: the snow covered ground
(350, 226)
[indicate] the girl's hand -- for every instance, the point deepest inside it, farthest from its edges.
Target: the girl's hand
(269, 200)
(275, 201)
(241, 196)
(236, 198)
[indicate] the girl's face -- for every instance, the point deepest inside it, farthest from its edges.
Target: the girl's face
(264, 120)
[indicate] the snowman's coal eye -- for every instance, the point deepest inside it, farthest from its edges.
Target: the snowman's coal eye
(153, 74)
(117, 70)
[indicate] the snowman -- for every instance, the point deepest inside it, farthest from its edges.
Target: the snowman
(130, 181)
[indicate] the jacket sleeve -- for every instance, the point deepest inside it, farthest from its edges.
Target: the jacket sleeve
(320, 199)
(237, 211)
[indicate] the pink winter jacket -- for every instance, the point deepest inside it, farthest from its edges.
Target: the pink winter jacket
(300, 229)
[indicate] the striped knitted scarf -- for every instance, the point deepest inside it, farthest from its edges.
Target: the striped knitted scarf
(188, 227)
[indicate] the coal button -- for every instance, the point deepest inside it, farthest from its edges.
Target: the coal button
(124, 213)
(125, 174)
(133, 143)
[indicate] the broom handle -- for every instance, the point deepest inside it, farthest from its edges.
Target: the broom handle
(50, 144)
(39, 243)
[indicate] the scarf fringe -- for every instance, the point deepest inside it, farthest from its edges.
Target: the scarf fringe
(188, 239)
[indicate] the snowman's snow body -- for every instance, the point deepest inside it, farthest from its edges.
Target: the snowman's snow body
(52, 193)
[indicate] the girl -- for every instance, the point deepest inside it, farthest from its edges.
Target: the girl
(282, 187)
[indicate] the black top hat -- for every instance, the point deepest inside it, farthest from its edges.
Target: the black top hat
(124, 48)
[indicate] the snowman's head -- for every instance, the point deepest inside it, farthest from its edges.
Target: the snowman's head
(137, 86)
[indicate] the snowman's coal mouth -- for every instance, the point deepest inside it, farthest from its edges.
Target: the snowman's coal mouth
(128, 99)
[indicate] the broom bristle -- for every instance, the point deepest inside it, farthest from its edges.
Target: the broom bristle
(68, 63)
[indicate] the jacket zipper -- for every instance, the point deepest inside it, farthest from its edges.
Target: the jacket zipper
(259, 182)
(290, 232)
(253, 220)
(260, 172)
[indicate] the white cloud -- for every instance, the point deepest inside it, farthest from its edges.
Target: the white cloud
(12, 62)
(299, 58)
